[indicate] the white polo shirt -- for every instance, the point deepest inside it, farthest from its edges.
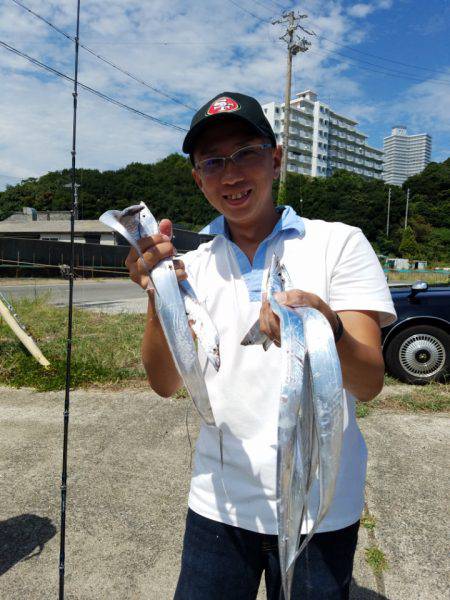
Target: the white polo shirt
(334, 261)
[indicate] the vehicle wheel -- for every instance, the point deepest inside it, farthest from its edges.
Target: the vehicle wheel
(419, 354)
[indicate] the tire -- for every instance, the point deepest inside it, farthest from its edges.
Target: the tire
(419, 354)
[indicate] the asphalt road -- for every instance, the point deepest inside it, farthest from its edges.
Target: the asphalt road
(110, 295)
(127, 493)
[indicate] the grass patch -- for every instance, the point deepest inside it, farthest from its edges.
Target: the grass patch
(429, 398)
(368, 522)
(389, 380)
(428, 276)
(105, 348)
(181, 393)
(362, 410)
(376, 559)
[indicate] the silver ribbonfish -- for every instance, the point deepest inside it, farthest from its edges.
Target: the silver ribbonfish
(134, 223)
(310, 425)
(291, 478)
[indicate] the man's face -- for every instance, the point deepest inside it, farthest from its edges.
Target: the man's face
(253, 184)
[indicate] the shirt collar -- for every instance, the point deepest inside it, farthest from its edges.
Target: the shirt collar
(289, 220)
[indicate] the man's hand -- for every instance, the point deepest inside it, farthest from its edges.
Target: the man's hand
(154, 249)
(359, 348)
(270, 323)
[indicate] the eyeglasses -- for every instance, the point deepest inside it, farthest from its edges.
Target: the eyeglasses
(244, 158)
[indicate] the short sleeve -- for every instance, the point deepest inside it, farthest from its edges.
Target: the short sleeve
(357, 279)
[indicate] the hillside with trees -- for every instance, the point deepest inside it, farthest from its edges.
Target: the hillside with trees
(168, 189)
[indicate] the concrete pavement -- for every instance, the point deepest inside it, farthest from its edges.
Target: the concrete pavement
(109, 295)
(128, 483)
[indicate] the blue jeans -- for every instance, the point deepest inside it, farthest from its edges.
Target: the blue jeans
(222, 562)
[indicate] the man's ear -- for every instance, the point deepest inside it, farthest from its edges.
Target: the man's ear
(197, 178)
(277, 156)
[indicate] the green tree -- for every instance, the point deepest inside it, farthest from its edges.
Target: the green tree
(409, 248)
(169, 190)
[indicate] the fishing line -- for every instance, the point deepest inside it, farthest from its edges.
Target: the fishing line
(186, 422)
(62, 550)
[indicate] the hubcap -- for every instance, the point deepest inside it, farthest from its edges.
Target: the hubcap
(422, 355)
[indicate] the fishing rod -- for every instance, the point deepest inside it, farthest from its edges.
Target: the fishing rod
(73, 212)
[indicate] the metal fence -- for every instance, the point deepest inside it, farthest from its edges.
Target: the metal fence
(21, 257)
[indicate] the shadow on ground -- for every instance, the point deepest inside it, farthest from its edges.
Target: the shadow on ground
(22, 538)
(360, 593)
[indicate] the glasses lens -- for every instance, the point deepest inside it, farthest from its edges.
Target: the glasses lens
(249, 156)
(211, 166)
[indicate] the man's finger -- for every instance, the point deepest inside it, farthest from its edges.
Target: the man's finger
(144, 244)
(154, 254)
(165, 227)
(296, 298)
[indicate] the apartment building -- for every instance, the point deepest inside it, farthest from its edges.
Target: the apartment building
(322, 140)
(405, 155)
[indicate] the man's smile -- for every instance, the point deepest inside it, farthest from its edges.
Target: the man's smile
(237, 197)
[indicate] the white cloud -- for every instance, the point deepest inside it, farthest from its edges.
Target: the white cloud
(422, 108)
(425, 109)
(214, 47)
(361, 10)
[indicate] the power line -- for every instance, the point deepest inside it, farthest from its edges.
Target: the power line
(384, 71)
(102, 58)
(386, 68)
(250, 13)
(90, 89)
(260, 3)
(165, 43)
(403, 64)
(277, 4)
(387, 71)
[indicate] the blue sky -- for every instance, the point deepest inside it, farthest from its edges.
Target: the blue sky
(193, 49)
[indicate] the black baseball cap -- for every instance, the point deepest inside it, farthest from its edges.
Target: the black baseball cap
(225, 106)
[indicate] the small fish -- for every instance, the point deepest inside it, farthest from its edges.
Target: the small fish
(201, 323)
(255, 336)
(134, 223)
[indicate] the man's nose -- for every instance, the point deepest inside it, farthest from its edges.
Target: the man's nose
(231, 172)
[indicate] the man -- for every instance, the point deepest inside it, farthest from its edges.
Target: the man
(231, 528)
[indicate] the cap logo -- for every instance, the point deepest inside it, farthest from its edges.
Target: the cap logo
(221, 105)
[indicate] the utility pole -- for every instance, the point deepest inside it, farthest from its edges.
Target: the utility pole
(388, 212)
(295, 44)
(406, 211)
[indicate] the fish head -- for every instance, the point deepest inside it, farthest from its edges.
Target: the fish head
(274, 281)
(116, 221)
(147, 222)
